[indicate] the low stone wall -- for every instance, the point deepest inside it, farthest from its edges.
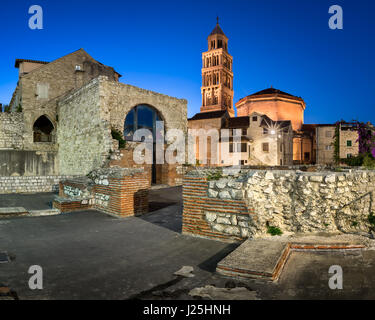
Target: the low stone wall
(119, 191)
(248, 203)
(30, 184)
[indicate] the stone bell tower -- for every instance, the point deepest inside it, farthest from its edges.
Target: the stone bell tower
(217, 75)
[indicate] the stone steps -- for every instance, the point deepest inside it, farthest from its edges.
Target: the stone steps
(265, 259)
(20, 211)
(13, 211)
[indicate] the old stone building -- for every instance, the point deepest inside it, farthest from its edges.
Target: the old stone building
(39, 88)
(62, 120)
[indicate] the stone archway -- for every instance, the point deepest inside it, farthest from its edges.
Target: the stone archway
(144, 116)
(43, 130)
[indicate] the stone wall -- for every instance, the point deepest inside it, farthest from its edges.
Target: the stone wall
(345, 136)
(87, 116)
(11, 130)
(248, 203)
(119, 98)
(84, 132)
(27, 163)
(30, 184)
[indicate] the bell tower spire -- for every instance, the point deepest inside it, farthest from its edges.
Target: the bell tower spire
(217, 74)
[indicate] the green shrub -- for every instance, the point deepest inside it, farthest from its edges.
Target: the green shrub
(214, 176)
(354, 223)
(354, 161)
(371, 218)
(369, 162)
(118, 136)
(274, 231)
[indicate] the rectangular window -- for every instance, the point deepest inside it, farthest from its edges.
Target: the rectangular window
(42, 90)
(231, 148)
(281, 147)
(348, 143)
(349, 155)
(244, 132)
(242, 147)
(328, 134)
(242, 162)
(265, 131)
(328, 148)
(265, 147)
(281, 162)
(255, 119)
(307, 155)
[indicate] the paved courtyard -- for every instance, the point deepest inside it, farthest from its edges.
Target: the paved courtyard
(90, 255)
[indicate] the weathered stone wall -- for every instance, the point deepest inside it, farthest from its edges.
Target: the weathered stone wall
(345, 136)
(293, 201)
(120, 98)
(84, 132)
(30, 184)
(11, 130)
(87, 115)
(27, 163)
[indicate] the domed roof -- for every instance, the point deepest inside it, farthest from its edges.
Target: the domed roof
(274, 91)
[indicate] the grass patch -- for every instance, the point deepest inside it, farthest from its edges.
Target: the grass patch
(274, 231)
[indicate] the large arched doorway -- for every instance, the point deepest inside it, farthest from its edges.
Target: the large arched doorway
(42, 130)
(144, 116)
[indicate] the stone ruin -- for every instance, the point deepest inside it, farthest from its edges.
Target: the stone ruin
(248, 203)
(117, 191)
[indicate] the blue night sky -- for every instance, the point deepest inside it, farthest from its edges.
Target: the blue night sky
(157, 45)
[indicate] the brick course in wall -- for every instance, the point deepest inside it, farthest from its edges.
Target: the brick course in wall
(197, 204)
(122, 196)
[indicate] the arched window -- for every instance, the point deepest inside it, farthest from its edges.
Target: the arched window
(141, 117)
(42, 129)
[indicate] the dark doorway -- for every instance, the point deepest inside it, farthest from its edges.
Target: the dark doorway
(42, 129)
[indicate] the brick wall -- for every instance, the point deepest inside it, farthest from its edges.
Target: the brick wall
(122, 196)
(128, 196)
(198, 207)
(169, 174)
